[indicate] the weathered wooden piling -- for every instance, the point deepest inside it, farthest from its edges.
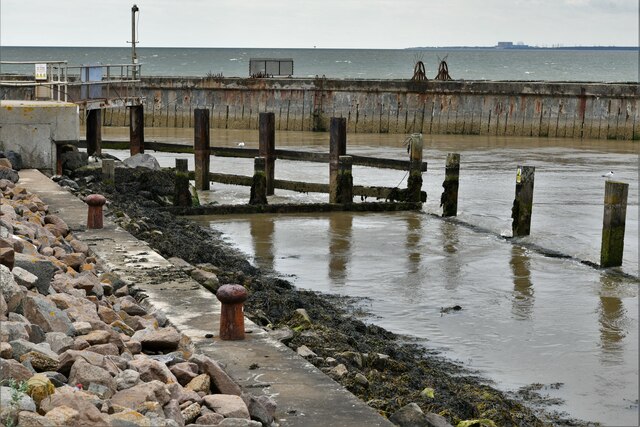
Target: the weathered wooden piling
(337, 148)
(232, 299)
(344, 180)
(94, 132)
(258, 195)
(109, 171)
(523, 202)
(449, 198)
(414, 182)
(267, 147)
(182, 195)
(136, 129)
(201, 147)
(613, 224)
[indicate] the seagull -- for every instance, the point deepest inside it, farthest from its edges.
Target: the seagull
(240, 144)
(608, 175)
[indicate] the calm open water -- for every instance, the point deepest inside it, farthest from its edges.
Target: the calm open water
(466, 64)
(525, 318)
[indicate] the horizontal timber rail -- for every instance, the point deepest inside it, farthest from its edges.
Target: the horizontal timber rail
(294, 208)
(298, 186)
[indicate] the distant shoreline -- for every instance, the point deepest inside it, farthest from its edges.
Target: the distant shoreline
(524, 47)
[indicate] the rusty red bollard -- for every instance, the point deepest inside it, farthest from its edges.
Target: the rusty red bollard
(94, 216)
(232, 298)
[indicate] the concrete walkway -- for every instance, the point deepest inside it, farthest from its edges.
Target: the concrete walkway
(305, 396)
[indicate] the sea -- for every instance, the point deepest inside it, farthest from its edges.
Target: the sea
(583, 65)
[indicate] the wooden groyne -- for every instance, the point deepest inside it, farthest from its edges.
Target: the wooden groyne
(541, 109)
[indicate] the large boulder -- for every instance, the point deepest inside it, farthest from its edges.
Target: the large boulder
(86, 374)
(42, 312)
(72, 160)
(227, 405)
(133, 397)
(9, 174)
(12, 402)
(12, 292)
(221, 380)
(165, 339)
(12, 369)
(40, 267)
(82, 402)
(150, 370)
(142, 160)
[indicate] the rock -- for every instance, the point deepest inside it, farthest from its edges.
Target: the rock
(15, 159)
(362, 380)
(84, 373)
(210, 419)
(24, 278)
(305, 352)
(108, 315)
(12, 293)
(238, 422)
(301, 318)
(201, 383)
(183, 395)
(7, 253)
(63, 416)
(338, 371)
(129, 418)
(79, 246)
(127, 379)
(4, 309)
(172, 412)
(152, 370)
(42, 312)
(12, 369)
(11, 331)
(184, 372)
(228, 405)
(220, 379)
(32, 419)
(105, 349)
(181, 264)
(122, 327)
(99, 390)
(5, 162)
(82, 328)
(12, 402)
(40, 361)
(43, 269)
(260, 410)
(96, 337)
(72, 160)
(59, 341)
(56, 378)
(412, 416)
(84, 403)
(190, 413)
(59, 227)
(9, 174)
(351, 357)
(142, 160)
(6, 351)
(69, 357)
(21, 347)
(206, 278)
(74, 260)
(165, 339)
(134, 396)
(284, 334)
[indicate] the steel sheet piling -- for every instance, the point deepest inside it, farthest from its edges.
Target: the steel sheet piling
(202, 148)
(267, 147)
(523, 202)
(613, 224)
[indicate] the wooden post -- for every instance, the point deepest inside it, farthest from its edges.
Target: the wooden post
(613, 224)
(414, 183)
(523, 202)
(258, 194)
(94, 132)
(449, 198)
(344, 181)
(267, 147)
(109, 171)
(202, 147)
(182, 195)
(136, 129)
(231, 298)
(337, 148)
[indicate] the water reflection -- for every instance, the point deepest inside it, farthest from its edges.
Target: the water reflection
(523, 294)
(450, 234)
(612, 318)
(261, 228)
(340, 226)
(414, 237)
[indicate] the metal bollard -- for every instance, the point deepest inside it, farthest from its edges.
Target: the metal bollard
(94, 216)
(232, 298)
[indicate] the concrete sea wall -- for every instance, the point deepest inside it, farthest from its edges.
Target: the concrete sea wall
(547, 109)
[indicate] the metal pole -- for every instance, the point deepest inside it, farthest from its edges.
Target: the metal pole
(134, 57)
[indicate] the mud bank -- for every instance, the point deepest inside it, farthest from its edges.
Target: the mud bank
(383, 369)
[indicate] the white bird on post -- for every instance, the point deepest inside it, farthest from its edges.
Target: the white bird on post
(608, 175)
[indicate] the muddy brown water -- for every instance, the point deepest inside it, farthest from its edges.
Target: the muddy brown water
(525, 318)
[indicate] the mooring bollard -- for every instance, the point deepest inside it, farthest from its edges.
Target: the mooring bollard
(449, 198)
(94, 215)
(201, 147)
(337, 148)
(109, 171)
(523, 202)
(94, 132)
(414, 182)
(182, 195)
(136, 129)
(344, 181)
(613, 224)
(267, 147)
(232, 298)
(258, 195)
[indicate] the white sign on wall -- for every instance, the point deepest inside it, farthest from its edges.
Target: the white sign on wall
(41, 71)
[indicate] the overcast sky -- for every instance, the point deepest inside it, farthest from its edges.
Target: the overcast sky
(321, 23)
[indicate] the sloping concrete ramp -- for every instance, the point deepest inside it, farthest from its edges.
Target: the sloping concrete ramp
(305, 396)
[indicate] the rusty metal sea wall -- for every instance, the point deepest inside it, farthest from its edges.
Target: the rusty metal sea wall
(547, 109)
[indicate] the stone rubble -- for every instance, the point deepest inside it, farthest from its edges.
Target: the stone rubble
(77, 332)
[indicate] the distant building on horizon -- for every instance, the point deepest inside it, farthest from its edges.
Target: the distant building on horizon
(511, 45)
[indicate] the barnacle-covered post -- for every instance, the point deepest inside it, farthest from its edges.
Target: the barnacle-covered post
(613, 224)
(344, 180)
(414, 183)
(258, 194)
(337, 148)
(182, 195)
(523, 202)
(449, 198)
